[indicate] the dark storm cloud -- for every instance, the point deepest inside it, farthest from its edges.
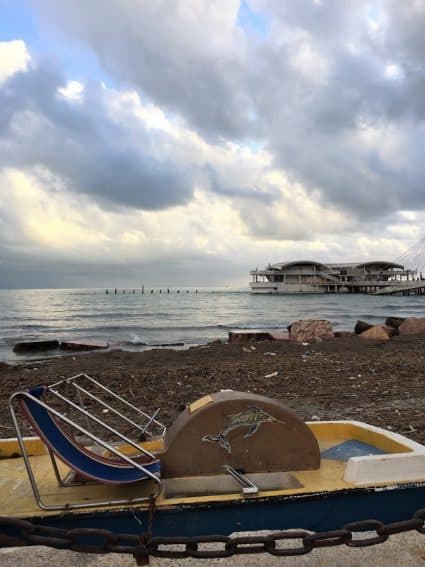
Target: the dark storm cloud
(404, 41)
(307, 89)
(114, 162)
(327, 120)
(405, 23)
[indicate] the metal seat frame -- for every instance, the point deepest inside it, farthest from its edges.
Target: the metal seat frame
(74, 381)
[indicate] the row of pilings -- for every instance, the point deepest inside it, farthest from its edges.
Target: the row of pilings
(142, 291)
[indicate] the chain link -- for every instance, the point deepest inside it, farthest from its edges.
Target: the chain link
(367, 526)
(286, 543)
(421, 515)
(293, 535)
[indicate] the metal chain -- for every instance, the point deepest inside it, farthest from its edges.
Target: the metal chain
(284, 543)
(143, 559)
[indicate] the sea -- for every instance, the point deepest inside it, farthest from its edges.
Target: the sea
(177, 318)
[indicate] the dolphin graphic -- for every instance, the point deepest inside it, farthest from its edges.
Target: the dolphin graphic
(252, 419)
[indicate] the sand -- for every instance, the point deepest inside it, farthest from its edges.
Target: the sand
(343, 378)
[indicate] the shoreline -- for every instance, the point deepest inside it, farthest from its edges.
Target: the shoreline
(340, 378)
(126, 321)
(43, 357)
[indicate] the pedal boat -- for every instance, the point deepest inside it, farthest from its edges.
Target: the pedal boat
(230, 462)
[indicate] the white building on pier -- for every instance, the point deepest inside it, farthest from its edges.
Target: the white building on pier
(306, 276)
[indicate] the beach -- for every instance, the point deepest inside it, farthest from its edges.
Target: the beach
(340, 378)
(380, 383)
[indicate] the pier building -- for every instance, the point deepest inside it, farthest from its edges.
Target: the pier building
(307, 276)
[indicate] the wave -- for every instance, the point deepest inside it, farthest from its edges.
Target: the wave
(120, 315)
(32, 327)
(181, 327)
(137, 340)
(137, 329)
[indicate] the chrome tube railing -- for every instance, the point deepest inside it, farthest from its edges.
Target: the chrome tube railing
(96, 420)
(91, 436)
(151, 419)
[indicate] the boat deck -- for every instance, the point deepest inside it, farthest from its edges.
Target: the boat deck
(353, 455)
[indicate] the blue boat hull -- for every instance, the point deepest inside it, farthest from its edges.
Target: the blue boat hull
(318, 512)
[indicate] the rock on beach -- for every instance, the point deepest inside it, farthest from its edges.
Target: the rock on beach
(361, 327)
(412, 326)
(35, 346)
(378, 333)
(394, 322)
(249, 336)
(310, 329)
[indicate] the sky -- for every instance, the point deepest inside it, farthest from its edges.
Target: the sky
(186, 142)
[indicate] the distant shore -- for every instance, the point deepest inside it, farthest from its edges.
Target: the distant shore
(341, 378)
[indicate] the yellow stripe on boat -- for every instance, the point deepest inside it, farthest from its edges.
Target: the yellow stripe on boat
(195, 406)
(9, 448)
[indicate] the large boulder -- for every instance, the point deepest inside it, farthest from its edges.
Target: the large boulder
(249, 336)
(35, 346)
(377, 333)
(310, 330)
(412, 326)
(394, 322)
(361, 327)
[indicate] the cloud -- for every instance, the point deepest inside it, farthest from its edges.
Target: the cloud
(14, 57)
(52, 235)
(185, 55)
(47, 232)
(46, 122)
(110, 146)
(218, 130)
(304, 88)
(73, 91)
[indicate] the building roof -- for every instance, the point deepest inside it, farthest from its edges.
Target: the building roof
(342, 265)
(384, 264)
(283, 265)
